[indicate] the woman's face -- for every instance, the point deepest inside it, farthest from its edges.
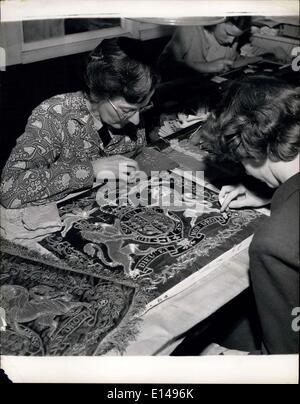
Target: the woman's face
(261, 170)
(117, 112)
(226, 33)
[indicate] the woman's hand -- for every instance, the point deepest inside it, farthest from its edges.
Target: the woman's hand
(195, 139)
(219, 65)
(281, 54)
(114, 167)
(238, 196)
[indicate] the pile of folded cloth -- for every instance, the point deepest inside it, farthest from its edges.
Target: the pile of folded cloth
(29, 223)
(172, 124)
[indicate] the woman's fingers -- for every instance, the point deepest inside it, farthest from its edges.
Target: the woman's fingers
(195, 138)
(114, 167)
(237, 203)
(236, 197)
(128, 170)
(228, 198)
(225, 190)
(228, 194)
(128, 162)
(123, 177)
(228, 62)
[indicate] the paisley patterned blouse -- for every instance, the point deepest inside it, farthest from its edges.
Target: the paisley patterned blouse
(53, 157)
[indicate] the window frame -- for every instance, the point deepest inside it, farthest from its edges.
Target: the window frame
(19, 52)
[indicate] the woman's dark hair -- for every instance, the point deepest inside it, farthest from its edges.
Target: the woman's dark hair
(112, 71)
(243, 23)
(258, 117)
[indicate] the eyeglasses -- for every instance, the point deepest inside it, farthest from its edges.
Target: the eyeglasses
(123, 116)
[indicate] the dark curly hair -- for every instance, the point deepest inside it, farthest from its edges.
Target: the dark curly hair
(112, 71)
(258, 117)
(241, 22)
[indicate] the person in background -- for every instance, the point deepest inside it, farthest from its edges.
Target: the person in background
(204, 49)
(258, 125)
(71, 140)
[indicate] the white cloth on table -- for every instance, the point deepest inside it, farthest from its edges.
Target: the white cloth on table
(30, 223)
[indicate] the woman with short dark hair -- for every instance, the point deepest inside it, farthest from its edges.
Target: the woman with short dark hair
(74, 139)
(258, 124)
(111, 73)
(203, 49)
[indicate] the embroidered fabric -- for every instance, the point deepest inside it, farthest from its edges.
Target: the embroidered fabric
(156, 246)
(54, 311)
(113, 257)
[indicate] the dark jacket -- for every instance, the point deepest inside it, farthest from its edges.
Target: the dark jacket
(274, 270)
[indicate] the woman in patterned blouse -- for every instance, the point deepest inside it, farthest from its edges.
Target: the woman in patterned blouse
(74, 139)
